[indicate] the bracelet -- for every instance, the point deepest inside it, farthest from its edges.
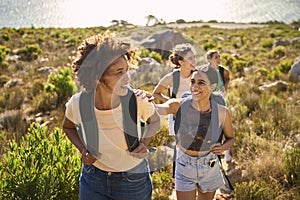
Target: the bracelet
(86, 152)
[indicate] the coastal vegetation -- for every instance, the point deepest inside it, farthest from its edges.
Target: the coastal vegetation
(38, 162)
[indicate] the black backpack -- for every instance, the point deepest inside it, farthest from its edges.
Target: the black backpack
(176, 80)
(221, 71)
(89, 122)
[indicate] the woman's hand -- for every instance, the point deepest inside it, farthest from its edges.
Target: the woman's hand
(140, 152)
(144, 94)
(87, 157)
(217, 149)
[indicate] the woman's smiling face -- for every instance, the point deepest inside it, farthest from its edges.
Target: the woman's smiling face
(200, 85)
(116, 78)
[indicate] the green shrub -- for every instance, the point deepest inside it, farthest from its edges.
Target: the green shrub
(278, 52)
(267, 43)
(61, 84)
(284, 66)
(30, 52)
(156, 56)
(5, 37)
(12, 98)
(162, 184)
(292, 167)
(43, 102)
(238, 67)
(255, 190)
(227, 60)
(146, 53)
(41, 166)
(3, 79)
(209, 45)
(3, 52)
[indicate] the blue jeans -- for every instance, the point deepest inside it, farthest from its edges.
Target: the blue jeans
(96, 184)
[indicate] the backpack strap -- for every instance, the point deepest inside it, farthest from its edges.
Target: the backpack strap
(89, 134)
(176, 80)
(129, 108)
(214, 117)
(221, 71)
(89, 122)
(214, 120)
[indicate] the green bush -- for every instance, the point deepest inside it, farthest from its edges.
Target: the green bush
(61, 84)
(30, 52)
(146, 53)
(255, 190)
(12, 98)
(41, 166)
(156, 56)
(284, 66)
(3, 52)
(238, 67)
(162, 184)
(292, 167)
(278, 52)
(227, 60)
(209, 45)
(3, 79)
(5, 37)
(267, 43)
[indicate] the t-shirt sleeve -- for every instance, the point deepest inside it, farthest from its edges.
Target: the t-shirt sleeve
(167, 80)
(145, 108)
(71, 107)
(69, 110)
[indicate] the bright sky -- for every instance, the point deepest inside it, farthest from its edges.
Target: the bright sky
(134, 11)
(87, 13)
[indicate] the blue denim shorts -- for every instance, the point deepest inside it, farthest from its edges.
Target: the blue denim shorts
(195, 172)
(96, 184)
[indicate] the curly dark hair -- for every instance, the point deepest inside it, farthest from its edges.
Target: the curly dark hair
(179, 51)
(94, 56)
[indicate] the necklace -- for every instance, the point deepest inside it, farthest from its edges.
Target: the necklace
(205, 111)
(197, 108)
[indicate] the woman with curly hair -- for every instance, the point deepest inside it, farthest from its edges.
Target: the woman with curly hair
(100, 122)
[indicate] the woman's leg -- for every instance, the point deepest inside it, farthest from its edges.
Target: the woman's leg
(186, 195)
(206, 195)
(92, 184)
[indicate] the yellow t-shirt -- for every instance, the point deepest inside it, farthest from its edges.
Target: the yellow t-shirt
(115, 156)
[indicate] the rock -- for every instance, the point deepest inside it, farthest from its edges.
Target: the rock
(149, 65)
(163, 41)
(279, 85)
(281, 43)
(294, 73)
(295, 40)
(13, 82)
(160, 158)
(47, 70)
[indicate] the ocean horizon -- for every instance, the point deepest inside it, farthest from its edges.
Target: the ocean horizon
(90, 13)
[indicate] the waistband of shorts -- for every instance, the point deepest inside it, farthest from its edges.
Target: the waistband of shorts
(193, 153)
(196, 160)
